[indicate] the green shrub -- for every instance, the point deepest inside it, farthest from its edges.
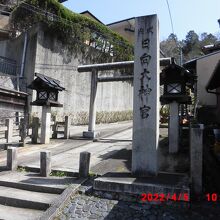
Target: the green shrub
(71, 28)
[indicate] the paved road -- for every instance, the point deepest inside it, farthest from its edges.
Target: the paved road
(65, 153)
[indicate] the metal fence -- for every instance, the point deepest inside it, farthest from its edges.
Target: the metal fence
(8, 66)
(9, 75)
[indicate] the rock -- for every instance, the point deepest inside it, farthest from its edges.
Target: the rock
(72, 208)
(65, 210)
(81, 202)
(86, 208)
(93, 216)
(78, 212)
(62, 217)
(104, 214)
(146, 213)
(114, 202)
(79, 206)
(107, 196)
(93, 210)
(146, 207)
(135, 207)
(122, 205)
(103, 208)
(110, 207)
(152, 217)
(94, 199)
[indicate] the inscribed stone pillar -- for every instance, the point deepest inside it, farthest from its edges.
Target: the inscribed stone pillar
(146, 97)
(174, 127)
(45, 124)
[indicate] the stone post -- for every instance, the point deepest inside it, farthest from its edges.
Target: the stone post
(12, 158)
(174, 128)
(196, 157)
(67, 127)
(35, 130)
(23, 128)
(146, 97)
(54, 128)
(45, 163)
(84, 164)
(9, 132)
(91, 133)
(45, 124)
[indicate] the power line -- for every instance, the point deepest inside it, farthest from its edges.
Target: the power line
(171, 19)
(172, 26)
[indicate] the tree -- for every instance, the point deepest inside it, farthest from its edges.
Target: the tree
(207, 39)
(191, 48)
(171, 47)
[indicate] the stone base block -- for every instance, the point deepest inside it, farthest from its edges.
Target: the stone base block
(164, 183)
(91, 134)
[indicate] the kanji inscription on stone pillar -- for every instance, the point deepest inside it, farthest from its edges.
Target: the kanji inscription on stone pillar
(146, 97)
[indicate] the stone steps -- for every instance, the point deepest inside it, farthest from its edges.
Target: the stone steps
(26, 199)
(12, 213)
(27, 195)
(34, 182)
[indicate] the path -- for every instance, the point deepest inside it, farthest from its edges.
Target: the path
(65, 153)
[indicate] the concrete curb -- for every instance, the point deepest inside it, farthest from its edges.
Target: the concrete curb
(60, 202)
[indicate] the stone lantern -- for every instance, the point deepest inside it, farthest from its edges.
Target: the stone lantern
(175, 80)
(47, 90)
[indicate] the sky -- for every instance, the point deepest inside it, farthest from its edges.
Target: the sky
(198, 15)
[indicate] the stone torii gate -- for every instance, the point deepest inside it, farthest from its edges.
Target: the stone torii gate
(95, 68)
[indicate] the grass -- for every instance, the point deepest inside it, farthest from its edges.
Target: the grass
(21, 169)
(58, 173)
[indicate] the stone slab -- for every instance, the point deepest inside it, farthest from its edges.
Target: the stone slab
(12, 213)
(163, 183)
(34, 182)
(91, 134)
(25, 199)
